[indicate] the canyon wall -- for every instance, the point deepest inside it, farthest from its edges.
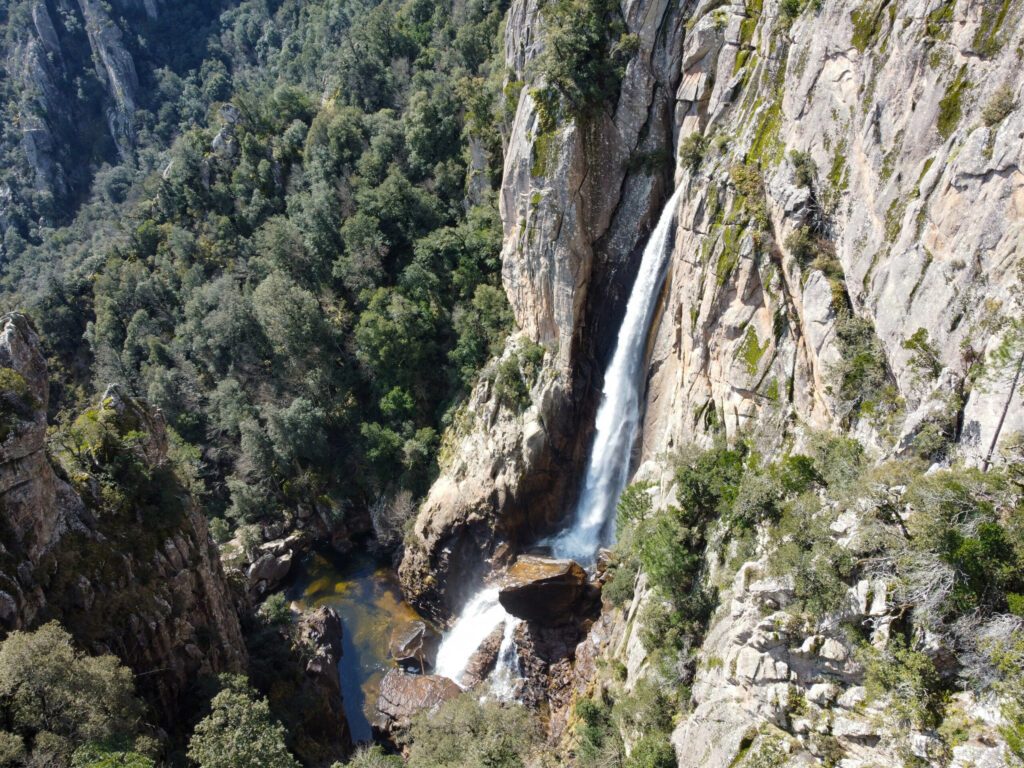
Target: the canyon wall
(852, 192)
(128, 570)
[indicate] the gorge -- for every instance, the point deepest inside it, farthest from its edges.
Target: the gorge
(527, 383)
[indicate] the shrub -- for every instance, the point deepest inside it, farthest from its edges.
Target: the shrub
(924, 357)
(276, 609)
(372, 757)
(807, 551)
(804, 168)
(220, 530)
(652, 751)
(909, 682)
(503, 736)
(692, 150)
(618, 589)
(999, 107)
(862, 381)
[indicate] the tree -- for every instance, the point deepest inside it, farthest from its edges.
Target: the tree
(239, 731)
(48, 687)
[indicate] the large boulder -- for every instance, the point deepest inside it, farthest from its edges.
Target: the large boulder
(414, 644)
(542, 589)
(403, 695)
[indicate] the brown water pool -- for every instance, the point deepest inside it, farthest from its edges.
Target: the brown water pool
(365, 594)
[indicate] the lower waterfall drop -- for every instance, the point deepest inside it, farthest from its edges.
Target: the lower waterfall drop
(617, 424)
(480, 616)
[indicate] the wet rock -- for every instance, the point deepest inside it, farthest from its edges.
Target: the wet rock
(541, 589)
(414, 644)
(403, 695)
(484, 659)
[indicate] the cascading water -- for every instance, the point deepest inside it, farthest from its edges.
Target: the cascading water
(481, 616)
(618, 419)
(506, 671)
(618, 416)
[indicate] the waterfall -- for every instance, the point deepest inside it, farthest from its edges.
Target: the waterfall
(619, 414)
(481, 616)
(506, 671)
(618, 419)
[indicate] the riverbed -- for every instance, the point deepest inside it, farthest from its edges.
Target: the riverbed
(366, 596)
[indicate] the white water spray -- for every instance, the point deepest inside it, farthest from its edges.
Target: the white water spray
(618, 416)
(481, 616)
(618, 419)
(506, 671)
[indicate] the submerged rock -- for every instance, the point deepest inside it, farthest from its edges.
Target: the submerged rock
(403, 695)
(542, 589)
(415, 644)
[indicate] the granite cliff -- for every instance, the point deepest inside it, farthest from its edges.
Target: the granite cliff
(851, 197)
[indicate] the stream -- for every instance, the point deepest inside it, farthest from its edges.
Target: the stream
(366, 596)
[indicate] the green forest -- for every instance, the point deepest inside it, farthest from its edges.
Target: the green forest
(299, 265)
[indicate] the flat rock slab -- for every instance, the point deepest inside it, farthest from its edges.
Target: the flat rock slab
(542, 589)
(403, 695)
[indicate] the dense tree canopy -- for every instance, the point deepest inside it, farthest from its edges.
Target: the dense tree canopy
(306, 282)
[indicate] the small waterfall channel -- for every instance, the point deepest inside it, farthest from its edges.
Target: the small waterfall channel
(617, 424)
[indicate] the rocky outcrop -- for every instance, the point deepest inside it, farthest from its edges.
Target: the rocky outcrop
(402, 696)
(132, 572)
(117, 74)
(324, 731)
(542, 590)
(484, 659)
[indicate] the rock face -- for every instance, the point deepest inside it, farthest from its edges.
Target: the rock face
(575, 213)
(325, 725)
(542, 590)
(857, 167)
(403, 695)
(161, 604)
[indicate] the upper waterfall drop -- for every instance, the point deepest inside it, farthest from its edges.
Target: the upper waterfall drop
(619, 414)
(618, 419)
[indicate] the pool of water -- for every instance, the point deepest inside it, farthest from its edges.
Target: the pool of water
(367, 598)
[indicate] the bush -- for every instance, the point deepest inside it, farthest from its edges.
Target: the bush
(999, 107)
(503, 736)
(372, 757)
(276, 609)
(618, 589)
(909, 682)
(692, 150)
(652, 751)
(807, 552)
(862, 381)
